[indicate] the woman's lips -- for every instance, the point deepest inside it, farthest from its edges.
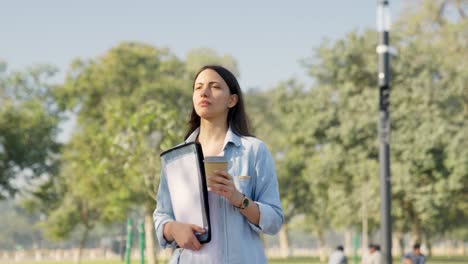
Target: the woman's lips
(204, 103)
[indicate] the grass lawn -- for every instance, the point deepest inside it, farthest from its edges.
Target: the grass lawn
(295, 260)
(433, 260)
(298, 260)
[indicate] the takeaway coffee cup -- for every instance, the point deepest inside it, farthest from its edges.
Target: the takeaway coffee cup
(213, 163)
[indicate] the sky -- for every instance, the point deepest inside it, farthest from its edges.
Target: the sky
(267, 38)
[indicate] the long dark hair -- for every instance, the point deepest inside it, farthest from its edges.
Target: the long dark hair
(237, 118)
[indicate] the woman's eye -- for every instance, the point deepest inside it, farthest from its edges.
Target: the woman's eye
(198, 88)
(216, 87)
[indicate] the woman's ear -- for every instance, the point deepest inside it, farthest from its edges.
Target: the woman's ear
(233, 99)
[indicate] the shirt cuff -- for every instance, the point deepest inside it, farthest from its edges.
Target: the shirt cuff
(160, 234)
(268, 220)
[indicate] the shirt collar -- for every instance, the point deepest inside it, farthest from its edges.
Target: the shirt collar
(230, 137)
(193, 136)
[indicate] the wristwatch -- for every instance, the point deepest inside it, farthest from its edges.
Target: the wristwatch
(245, 202)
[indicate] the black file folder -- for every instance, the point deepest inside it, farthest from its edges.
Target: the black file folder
(185, 176)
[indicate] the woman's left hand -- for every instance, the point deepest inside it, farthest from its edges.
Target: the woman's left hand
(222, 184)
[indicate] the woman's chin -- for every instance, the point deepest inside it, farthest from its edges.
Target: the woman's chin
(206, 115)
(210, 116)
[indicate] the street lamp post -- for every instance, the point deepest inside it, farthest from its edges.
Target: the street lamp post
(383, 51)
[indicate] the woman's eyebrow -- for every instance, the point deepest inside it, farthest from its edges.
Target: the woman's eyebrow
(208, 83)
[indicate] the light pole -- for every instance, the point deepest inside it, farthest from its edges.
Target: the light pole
(383, 51)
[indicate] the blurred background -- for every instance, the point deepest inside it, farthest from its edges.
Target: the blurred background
(91, 92)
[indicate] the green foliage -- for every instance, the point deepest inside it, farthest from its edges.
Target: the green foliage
(428, 113)
(325, 143)
(275, 122)
(28, 128)
(199, 57)
(431, 113)
(18, 227)
(128, 104)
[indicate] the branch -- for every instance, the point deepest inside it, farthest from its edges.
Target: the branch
(460, 10)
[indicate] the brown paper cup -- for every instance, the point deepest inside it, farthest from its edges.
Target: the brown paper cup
(213, 163)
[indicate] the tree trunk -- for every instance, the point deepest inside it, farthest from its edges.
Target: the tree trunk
(323, 256)
(82, 244)
(348, 239)
(416, 231)
(398, 240)
(284, 241)
(149, 236)
(428, 242)
(429, 247)
(365, 223)
(463, 249)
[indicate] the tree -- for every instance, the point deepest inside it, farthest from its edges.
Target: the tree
(199, 57)
(433, 75)
(428, 113)
(275, 122)
(18, 227)
(128, 103)
(28, 128)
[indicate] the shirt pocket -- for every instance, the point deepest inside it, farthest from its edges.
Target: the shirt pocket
(243, 183)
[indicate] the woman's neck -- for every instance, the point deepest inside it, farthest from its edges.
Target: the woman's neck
(212, 132)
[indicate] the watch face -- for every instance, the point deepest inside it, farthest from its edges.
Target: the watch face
(245, 202)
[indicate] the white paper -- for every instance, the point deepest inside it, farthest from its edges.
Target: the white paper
(183, 181)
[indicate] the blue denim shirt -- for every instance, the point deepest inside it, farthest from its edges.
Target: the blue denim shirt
(252, 168)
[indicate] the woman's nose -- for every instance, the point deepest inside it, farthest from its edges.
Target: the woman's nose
(205, 91)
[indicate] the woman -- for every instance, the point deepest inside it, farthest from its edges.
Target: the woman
(244, 201)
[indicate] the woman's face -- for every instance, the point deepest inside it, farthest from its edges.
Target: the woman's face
(211, 95)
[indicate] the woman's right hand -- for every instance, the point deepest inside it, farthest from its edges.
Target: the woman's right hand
(183, 234)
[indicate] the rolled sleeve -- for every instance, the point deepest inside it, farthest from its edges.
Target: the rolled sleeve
(266, 195)
(163, 213)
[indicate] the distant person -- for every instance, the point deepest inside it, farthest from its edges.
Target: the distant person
(415, 256)
(407, 260)
(374, 256)
(338, 256)
(378, 254)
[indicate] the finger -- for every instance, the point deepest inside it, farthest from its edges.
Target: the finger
(225, 174)
(214, 189)
(192, 246)
(218, 187)
(219, 192)
(219, 179)
(228, 180)
(197, 228)
(195, 243)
